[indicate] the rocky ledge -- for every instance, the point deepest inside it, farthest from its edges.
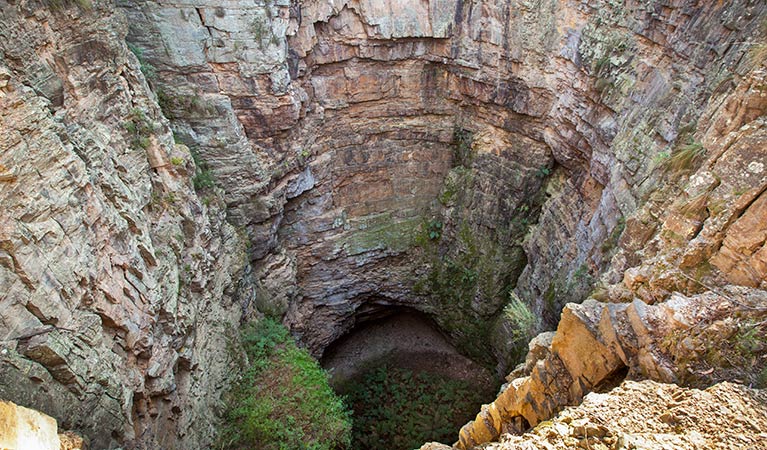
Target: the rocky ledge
(695, 340)
(651, 415)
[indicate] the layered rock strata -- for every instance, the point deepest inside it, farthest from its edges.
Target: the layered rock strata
(687, 340)
(345, 132)
(435, 155)
(651, 415)
(118, 281)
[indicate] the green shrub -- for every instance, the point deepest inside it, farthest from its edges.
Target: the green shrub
(283, 401)
(139, 129)
(685, 157)
(612, 241)
(543, 172)
(523, 319)
(435, 229)
(146, 68)
(203, 178)
(398, 409)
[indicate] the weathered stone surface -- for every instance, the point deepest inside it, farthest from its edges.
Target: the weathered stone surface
(108, 258)
(570, 105)
(24, 428)
(683, 340)
(651, 415)
(341, 134)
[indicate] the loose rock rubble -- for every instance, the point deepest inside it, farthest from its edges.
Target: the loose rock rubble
(648, 415)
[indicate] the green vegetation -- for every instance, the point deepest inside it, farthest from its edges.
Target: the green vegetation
(146, 68)
(543, 172)
(478, 267)
(261, 27)
(203, 178)
(661, 157)
(283, 401)
(398, 409)
(686, 157)
(435, 229)
(175, 106)
(457, 181)
(378, 233)
(730, 347)
(518, 314)
(139, 128)
(612, 241)
(177, 161)
(604, 48)
(462, 142)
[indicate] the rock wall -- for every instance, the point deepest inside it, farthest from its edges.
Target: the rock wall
(342, 131)
(118, 281)
(695, 340)
(27, 428)
(648, 414)
(438, 155)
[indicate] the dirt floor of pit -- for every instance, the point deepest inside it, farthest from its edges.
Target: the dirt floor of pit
(403, 340)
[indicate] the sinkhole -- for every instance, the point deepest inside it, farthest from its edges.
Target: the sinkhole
(403, 380)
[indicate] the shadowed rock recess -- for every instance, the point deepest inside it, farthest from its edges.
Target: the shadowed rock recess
(172, 170)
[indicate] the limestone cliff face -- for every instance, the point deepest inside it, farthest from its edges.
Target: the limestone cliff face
(651, 415)
(117, 282)
(696, 340)
(372, 153)
(341, 131)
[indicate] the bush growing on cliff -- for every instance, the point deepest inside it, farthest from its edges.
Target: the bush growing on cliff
(523, 319)
(146, 68)
(140, 129)
(203, 178)
(686, 156)
(283, 401)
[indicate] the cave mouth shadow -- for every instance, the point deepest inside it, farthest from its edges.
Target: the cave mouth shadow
(401, 337)
(405, 383)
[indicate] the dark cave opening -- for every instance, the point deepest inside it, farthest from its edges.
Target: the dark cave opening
(404, 382)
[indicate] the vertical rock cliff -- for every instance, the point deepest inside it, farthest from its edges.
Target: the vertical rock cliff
(118, 282)
(376, 153)
(170, 168)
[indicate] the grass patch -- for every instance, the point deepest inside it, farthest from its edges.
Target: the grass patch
(686, 157)
(398, 409)
(203, 178)
(517, 313)
(283, 401)
(139, 128)
(146, 68)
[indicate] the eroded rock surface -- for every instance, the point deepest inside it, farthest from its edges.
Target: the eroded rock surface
(435, 155)
(692, 340)
(26, 428)
(118, 282)
(651, 415)
(341, 132)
